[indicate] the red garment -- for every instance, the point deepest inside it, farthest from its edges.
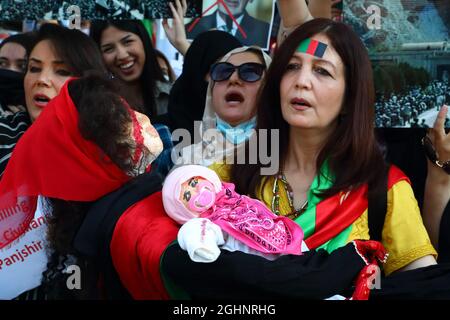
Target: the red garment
(336, 213)
(140, 237)
(52, 159)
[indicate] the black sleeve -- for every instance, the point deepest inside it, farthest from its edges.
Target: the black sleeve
(236, 275)
(444, 236)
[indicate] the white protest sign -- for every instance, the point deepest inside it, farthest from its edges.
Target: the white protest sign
(22, 263)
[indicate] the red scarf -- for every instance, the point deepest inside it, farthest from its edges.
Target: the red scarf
(336, 213)
(52, 159)
(140, 237)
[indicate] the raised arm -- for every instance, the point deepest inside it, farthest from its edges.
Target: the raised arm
(320, 8)
(177, 33)
(437, 186)
(294, 12)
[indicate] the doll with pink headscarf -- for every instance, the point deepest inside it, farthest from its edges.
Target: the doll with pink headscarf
(213, 215)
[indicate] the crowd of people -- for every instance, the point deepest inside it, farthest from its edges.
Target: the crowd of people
(89, 140)
(12, 10)
(405, 110)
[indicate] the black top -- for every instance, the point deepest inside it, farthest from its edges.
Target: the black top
(12, 128)
(405, 150)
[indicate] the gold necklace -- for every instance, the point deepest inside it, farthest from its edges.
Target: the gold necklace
(290, 195)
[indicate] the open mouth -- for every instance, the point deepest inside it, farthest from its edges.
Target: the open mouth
(234, 98)
(127, 65)
(41, 100)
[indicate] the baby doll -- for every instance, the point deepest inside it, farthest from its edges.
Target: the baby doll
(213, 215)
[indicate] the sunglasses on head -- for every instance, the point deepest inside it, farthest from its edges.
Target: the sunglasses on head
(248, 72)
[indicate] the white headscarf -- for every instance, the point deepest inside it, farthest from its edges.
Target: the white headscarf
(214, 147)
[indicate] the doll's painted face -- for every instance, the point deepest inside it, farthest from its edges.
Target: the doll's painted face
(197, 194)
(144, 135)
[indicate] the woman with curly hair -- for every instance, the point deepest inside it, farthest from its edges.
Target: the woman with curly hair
(86, 143)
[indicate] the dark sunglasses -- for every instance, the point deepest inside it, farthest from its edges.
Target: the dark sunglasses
(248, 72)
(431, 154)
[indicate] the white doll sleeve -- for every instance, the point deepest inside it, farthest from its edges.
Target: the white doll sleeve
(201, 239)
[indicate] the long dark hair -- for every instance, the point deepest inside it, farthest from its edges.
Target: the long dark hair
(171, 73)
(74, 47)
(353, 154)
(104, 120)
(151, 72)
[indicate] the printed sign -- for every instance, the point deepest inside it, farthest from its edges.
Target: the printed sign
(22, 263)
(249, 21)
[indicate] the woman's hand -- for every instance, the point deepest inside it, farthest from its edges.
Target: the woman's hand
(437, 186)
(441, 140)
(177, 33)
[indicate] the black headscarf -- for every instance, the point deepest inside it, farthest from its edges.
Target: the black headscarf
(188, 95)
(11, 88)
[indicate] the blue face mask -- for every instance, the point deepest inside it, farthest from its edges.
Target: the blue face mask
(238, 134)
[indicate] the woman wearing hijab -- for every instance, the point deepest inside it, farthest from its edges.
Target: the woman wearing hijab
(188, 94)
(230, 109)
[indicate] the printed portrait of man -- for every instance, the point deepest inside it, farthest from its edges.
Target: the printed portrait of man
(255, 29)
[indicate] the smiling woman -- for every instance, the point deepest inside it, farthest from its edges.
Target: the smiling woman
(129, 55)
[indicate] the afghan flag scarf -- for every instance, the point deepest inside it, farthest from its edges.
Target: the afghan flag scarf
(53, 160)
(327, 223)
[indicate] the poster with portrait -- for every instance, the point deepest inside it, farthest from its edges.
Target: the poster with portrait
(250, 21)
(408, 43)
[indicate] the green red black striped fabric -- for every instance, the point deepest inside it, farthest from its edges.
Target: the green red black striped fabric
(313, 47)
(327, 223)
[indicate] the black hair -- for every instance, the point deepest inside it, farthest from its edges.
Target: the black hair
(353, 153)
(27, 40)
(172, 76)
(103, 119)
(74, 47)
(151, 72)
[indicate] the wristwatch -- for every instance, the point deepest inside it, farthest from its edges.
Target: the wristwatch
(432, 156)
